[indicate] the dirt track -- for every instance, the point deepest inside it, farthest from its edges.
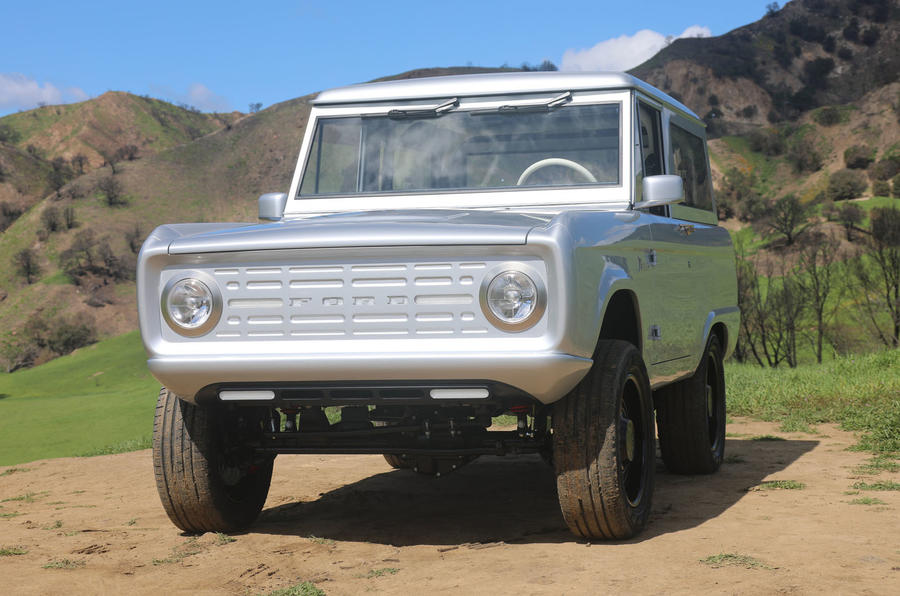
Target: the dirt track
(350, 524)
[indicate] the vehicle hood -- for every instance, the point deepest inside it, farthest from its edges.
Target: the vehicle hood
(371, 228)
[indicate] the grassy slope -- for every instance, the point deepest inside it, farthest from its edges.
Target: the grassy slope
(860, 392)
(89, 401)
(104, 124)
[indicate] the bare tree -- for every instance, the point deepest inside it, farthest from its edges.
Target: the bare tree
(112, 191)
(51, 219)
(877, 275)
(127, 152)
(255, 107)
(818, 280)
(79, 161)
(69, 217)
(135, 237)
(27, 265)
(772, 306)
(112, 158)
(850, 215)
(59, 175)
(788, 217)
(788, 304)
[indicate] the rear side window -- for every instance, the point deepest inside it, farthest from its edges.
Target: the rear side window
(689, 159)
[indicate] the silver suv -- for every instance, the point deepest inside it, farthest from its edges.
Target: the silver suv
(542, 245)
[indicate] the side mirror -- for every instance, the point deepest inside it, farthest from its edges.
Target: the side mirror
(271, 205)
(664, 189)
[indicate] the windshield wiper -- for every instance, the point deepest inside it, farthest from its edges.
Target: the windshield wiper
(432, 112)
(556, 102)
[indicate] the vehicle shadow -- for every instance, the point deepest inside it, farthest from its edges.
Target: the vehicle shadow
(511, 500)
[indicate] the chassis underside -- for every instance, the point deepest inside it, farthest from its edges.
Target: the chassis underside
(430, 435)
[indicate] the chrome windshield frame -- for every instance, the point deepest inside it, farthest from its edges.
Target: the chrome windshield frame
(602, 194)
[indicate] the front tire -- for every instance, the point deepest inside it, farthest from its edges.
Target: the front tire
(604, 446)
(398, 462)
(205, 482)
(691, 417)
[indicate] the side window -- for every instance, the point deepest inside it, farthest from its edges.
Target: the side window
(651, 140)
(689, 160)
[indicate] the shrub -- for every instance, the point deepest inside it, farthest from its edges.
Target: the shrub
(63, 334)
(749, 111)
(73, 191)
(881, 188)
(817, 70)
(27, 264)
(870, 36)
(885, 224)
(884, 169)
(845, 53)
(767, 141)
(112, 191)
(8, 134)
(8, 214)
(851, 31)
(850, 215)
(803, 154)
(858, 157)
(828, 44)
(896, 184)
(845, 184)
(51, 220)
(828, 116)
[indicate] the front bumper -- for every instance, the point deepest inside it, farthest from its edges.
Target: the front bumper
(546, 376)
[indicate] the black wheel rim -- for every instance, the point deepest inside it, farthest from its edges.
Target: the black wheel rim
(714, 401)
(632, 441)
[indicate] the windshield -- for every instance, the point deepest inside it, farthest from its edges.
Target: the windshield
(573, 145)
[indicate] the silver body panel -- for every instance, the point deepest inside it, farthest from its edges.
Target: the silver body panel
(382, 289)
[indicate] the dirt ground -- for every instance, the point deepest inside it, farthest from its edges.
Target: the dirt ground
(350, 524)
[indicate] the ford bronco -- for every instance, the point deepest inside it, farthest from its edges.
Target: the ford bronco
(453, 249)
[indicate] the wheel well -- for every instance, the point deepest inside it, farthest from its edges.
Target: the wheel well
(620, 321)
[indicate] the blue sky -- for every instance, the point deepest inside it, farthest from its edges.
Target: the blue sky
(222, 56)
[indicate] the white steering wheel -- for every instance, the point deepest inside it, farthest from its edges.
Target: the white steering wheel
(555, 161)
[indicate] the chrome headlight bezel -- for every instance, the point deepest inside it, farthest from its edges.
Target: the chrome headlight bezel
(215, 311)
(540, 299)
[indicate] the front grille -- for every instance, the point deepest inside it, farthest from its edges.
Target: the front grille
(379, 300)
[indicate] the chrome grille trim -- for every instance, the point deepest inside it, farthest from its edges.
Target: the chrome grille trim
(357, 300)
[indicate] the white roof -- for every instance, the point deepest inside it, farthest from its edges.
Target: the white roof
(492, 84)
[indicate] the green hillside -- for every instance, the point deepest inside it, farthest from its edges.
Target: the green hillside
(96, 399)
(97, 127)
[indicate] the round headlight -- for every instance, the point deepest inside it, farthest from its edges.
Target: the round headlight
(190, 307)
(512, 300)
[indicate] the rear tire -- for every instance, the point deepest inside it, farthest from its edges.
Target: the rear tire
(691, 417)
(204, 483)
(604, 446)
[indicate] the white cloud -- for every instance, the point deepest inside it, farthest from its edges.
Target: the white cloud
(77, 94)
(19, 91)
(198, 95)
(625, 51)
(201, 96)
